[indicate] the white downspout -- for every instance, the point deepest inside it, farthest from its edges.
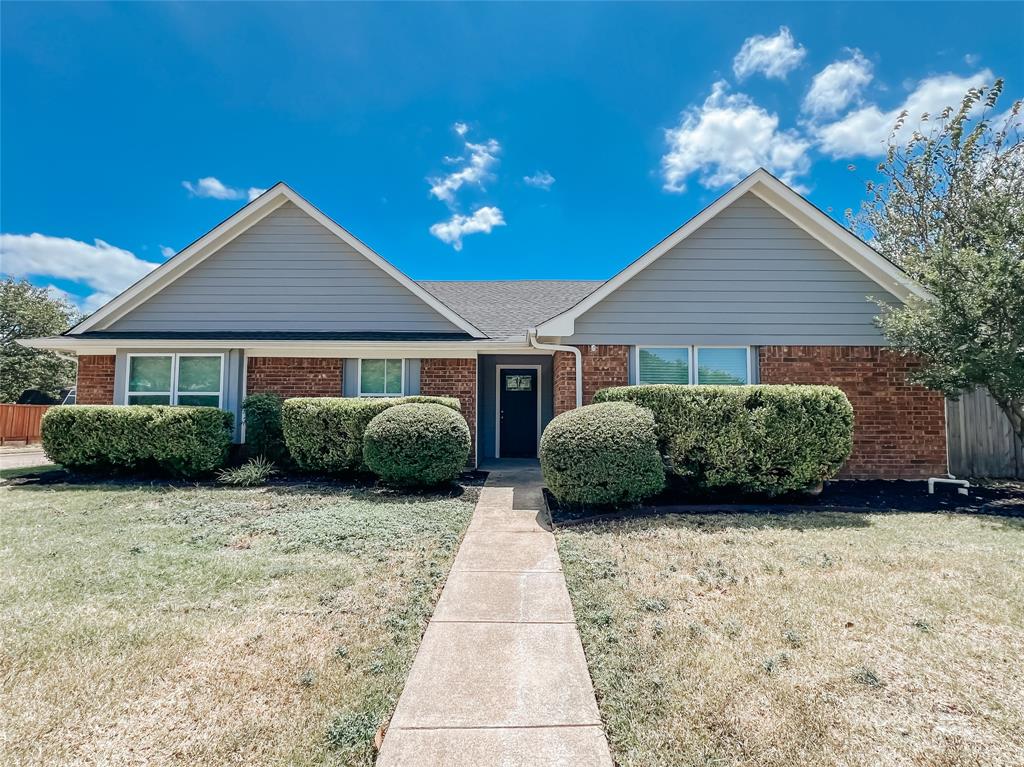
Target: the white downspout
(532, 335)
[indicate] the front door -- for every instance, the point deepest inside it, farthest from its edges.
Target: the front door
(518, 399)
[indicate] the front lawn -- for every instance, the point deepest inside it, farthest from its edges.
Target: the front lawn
(207, 626)
(814, 638)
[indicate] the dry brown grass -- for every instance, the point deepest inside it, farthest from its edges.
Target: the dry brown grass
(208, 626)
(811, 639)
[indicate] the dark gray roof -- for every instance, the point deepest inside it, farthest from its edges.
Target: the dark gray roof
(508, 308)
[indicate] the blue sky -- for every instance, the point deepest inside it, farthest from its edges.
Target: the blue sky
(459, 141)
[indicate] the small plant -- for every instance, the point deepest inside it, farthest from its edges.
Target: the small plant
(793, 638)
(254, 472)
(867, 677)
(654, 605)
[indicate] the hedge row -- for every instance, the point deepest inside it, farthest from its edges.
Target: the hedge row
(764, 440)
(325, 434)
(182, 441)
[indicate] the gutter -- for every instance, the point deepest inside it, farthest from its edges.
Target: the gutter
(532, 336)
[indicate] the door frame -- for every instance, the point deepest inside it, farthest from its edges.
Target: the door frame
(497, 403)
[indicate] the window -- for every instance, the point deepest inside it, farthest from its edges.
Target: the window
(381, 378)
(175, 379)
(664, 366)
(722, 366)
(712, 365)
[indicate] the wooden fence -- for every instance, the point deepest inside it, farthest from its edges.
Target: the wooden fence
(21, 423)
(981, 443)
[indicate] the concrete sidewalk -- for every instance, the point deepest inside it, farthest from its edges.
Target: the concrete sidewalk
(500, 679)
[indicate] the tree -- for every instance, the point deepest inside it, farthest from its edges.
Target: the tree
(28, 312)
(949, 210)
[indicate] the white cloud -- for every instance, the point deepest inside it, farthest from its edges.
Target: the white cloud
(837, 85)
(461, 128)
(482, 159)
(208, 186)
(865, 132)
(458, 226)
(541, 179)
(774, 56)
(106, 269)
(970, 59)
(728, 137)
(167, 252)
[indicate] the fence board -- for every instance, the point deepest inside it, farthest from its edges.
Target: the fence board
(981, 442)
(21, 423)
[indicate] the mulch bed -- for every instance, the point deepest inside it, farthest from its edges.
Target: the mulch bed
(997, 497)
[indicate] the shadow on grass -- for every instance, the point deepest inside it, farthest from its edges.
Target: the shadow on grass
(365, 488)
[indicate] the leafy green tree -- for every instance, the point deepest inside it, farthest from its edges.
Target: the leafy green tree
(28, 312)
(949, 210)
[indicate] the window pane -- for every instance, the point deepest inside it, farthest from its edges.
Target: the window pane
(149, 374)
(198, 374)
(722, 366)
(664, 366)
(371, 377)
(394, 376)
(149, 399)
(207, 400)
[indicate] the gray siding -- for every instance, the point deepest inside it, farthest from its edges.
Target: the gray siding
(285, 273)
(748, 276)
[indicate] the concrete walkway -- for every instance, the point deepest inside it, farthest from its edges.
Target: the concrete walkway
(500, 679)
(23, 457)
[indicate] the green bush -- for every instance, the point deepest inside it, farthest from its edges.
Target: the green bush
(253, 473)
(602, 454)
(264, 435)
(418, 444)
(325, 434)
(764, 440)
(182, 441)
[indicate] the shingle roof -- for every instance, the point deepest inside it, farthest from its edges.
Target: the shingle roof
(508, 308)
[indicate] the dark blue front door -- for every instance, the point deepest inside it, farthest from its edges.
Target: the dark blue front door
(517, 412)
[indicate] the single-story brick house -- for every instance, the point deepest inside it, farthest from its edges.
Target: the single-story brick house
(760, 286)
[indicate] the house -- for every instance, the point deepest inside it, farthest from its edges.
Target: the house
(760, 286)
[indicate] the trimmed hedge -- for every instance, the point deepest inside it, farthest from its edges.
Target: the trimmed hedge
(602, 454)
(264, 435)
(765, 440)
(417, 444)
(182, 441)
(325, 434)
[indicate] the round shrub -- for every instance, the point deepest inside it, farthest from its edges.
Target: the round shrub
(602, 454)
(417, 444)
(760, 440)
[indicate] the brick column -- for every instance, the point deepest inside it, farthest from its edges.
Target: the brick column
(95, 379)
(295, 376)
(453, 378)
(604, 365)
(899, 428)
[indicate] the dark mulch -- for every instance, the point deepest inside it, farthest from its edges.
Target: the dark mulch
(1004, 498)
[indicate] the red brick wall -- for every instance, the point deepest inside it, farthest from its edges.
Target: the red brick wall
(899, 428)
(607, 365)
(295, 376)
(453, 378)
(95, 379)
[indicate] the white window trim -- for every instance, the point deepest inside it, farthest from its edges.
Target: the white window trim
(173, 393)
(694, 364)
(359, 377)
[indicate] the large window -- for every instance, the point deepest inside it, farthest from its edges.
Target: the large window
(710, 365)
(381, 378)
(175, 379)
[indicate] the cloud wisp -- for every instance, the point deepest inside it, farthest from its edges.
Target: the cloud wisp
(540, 180)
(104, 268)
(482, 221)
(215, 189)
(837, 85)
(774, 57)
(483, 159)
(728, 137)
